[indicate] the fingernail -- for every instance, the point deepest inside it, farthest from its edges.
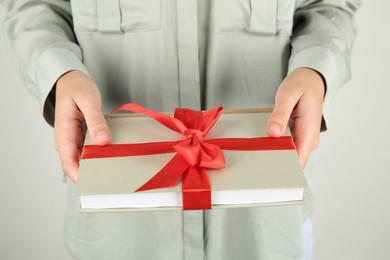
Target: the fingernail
(102, 136)
(275, 128)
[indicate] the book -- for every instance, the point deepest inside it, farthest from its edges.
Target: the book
(249, 178)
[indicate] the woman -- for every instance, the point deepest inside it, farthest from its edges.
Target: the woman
(80, 56)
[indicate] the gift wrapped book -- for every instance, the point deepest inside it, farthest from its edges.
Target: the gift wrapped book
(193, 160)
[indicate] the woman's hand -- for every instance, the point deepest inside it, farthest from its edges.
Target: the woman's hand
(298, 101)
(78, 102)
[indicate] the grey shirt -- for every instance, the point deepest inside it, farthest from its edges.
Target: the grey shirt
(165, 54)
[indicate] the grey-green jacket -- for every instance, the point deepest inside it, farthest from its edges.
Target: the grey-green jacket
(182, 53)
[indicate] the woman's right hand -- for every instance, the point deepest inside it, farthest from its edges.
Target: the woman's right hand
(78, 103)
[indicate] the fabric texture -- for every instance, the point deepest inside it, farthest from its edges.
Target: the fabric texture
(198, 54)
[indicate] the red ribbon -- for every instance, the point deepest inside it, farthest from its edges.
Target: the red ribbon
(193, 153)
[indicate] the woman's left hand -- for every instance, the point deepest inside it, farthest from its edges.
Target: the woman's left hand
(298, 102)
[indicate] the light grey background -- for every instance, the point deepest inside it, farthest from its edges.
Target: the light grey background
(352, 164)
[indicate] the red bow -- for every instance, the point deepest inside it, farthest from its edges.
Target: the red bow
(192, 154)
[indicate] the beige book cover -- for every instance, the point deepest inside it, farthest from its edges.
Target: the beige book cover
(250, 178)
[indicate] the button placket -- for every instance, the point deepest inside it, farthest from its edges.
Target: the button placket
(188, 60)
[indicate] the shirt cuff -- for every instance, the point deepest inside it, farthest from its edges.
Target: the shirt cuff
(51, 65)
(324, 62)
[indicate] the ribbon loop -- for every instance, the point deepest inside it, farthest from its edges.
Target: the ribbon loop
(189, 150)
(211, 156)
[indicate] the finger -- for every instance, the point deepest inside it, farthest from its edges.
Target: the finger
(285, 101)
(67, 136)
(306, 135)
(96, 123)
(316, 143)
(69, 156)
(305, 140)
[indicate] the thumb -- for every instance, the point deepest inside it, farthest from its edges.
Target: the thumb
(277, 123)
(96, 123)
(98, 128)
(281, 114)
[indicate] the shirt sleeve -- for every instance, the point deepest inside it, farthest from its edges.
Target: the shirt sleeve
(41, 38)
(322, 39)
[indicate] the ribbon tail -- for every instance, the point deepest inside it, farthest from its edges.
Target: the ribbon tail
(196, 189)
(167, 176)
